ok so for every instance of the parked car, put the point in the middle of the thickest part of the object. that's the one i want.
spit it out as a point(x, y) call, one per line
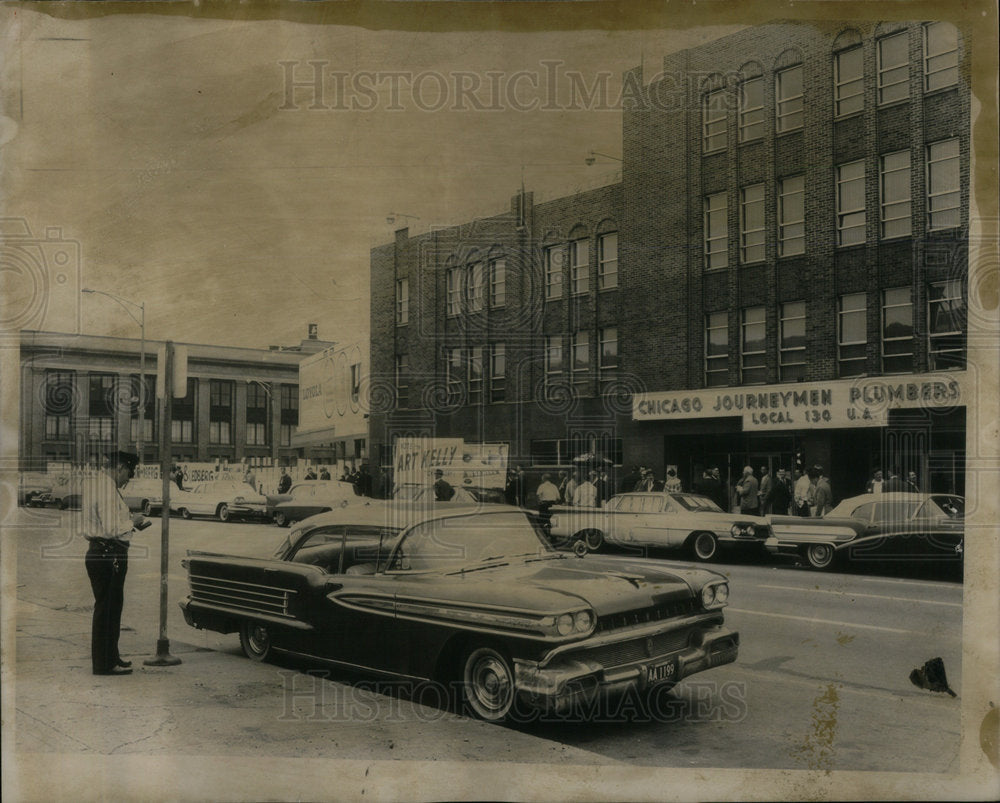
point(888, 526)
point(464, 495)
point(144, 496)
point(34, 489)
point(309, 498)
point(660, 520)
point(473, 595)
point(224, 499)
point(273, 500)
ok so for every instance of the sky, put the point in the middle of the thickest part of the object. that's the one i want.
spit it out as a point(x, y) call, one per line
point(171, 155)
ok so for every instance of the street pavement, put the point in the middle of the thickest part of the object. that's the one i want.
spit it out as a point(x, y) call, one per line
point(822, 681)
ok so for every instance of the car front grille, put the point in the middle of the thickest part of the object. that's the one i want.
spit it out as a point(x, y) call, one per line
point(251, 597)
point(626, 652)
point(641, 616)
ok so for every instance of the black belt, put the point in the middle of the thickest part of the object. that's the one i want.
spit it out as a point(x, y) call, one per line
point(108, 545)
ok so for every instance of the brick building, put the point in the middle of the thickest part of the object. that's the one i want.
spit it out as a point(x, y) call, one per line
point(80, 396)
point(779, 278)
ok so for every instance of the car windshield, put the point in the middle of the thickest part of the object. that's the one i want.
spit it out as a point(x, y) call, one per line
point(408, 492)
point(462, 542)
point(943, 506)
point(694, 502)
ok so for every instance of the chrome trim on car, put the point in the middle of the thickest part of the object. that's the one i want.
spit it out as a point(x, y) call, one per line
point(241, 595)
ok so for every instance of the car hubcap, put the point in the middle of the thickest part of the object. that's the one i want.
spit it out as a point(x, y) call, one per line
point(258, 639)
point(704, 546)
point(490, 685)
point(820, 554)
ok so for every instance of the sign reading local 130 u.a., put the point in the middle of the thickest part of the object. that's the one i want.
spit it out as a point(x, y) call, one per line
point(861, 402)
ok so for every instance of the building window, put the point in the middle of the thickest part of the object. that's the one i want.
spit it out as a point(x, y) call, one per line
point(60, 404)
point(454, 373)
point(553, 356)
point(607, 270)
point(894, 189)
point(474, 286)
point(498, 373)
point(852, 335)
point(791, 216)
point(752, 224)
point(102, 395)
point(716, 240)
point(579, 266)
point(144, 406)
point(101, 428)
point(751, 109)
point(940, 55)
point(581, 356)
point(220, 412)
point(714, 121)
point(716, 349)
point(476, 375)
point(402, 380)
point(943, 185)
point(897, 331)
point(945, 323)
point(454, 291)
point(753, 347)
point(788, 104)
point(792, 347)
point(893, 68)
point(608, 354)
point(498, 282)
point(258, 413)
point(356, 382)
point(554, 257)
point(182, 413)
point(851, 203)
point(289, 413)
point(848, 81)
point(402, 301)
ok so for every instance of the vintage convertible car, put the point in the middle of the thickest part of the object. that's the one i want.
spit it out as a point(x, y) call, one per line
point(336, 488)
point(664, 520)
point(222, 498)
point(473, 598)
point(875, 527)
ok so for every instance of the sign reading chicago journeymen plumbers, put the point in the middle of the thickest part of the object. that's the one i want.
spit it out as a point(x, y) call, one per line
point(862, 402)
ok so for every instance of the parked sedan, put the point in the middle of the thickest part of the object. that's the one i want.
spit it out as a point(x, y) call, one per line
point(221, 498)
point(310, 498)
point(344, 489)
point(34, 489)
point(660, 520)
point(144, 496)
point(474, 598)
point(888, 526)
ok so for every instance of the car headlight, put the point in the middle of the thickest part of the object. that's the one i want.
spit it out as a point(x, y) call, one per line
point(583, 621)
point(715, 595)
point(736, 530)
point(564, 624)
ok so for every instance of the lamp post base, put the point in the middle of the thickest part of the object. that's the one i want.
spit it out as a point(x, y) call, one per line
point(163, 656)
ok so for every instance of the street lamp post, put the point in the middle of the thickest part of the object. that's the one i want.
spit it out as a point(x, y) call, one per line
point(124, 303)
point(592, 157)
point(391, 217)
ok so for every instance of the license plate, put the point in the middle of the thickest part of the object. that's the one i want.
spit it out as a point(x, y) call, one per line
point(662, 672)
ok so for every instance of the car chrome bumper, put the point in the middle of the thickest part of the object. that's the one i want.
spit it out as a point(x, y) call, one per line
point(573, 680)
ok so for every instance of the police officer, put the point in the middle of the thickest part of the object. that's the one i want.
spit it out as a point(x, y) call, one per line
point(108, 526)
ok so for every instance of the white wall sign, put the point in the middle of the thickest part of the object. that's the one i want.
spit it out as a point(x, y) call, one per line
point(862, 402)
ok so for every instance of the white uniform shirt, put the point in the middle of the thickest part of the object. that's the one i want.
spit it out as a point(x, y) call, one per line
point(585, 495)
point(547, 492)
point(104, 513)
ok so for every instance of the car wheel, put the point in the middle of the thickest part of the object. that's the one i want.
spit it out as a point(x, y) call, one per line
point(185, 513)
point(279, 519)
point(147, 509)
point(704, 546)
point(594, 539)
point(255, 641)
point(223, 512)
point(488, 683)
point(820, 556)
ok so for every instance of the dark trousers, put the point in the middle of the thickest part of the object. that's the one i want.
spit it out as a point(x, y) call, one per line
point(106, 568)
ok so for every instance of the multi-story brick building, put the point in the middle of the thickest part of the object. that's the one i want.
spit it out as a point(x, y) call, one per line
point(81, 395)
point(780, 277)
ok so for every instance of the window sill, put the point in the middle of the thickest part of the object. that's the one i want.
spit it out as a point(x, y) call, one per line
point(754, 263)
point(897, 238)
point(796, 255)
point(798, 130)
point(927, 93)
point(752, 141)
point(892, 103)
point(713, 152)
point(849, 115)
point(852, 246)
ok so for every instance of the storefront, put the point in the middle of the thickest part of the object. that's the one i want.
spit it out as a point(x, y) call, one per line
point(849, 427)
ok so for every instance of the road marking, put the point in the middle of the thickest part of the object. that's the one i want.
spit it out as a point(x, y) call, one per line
point(921, 583)
point(871, 596)
point(813, 621)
